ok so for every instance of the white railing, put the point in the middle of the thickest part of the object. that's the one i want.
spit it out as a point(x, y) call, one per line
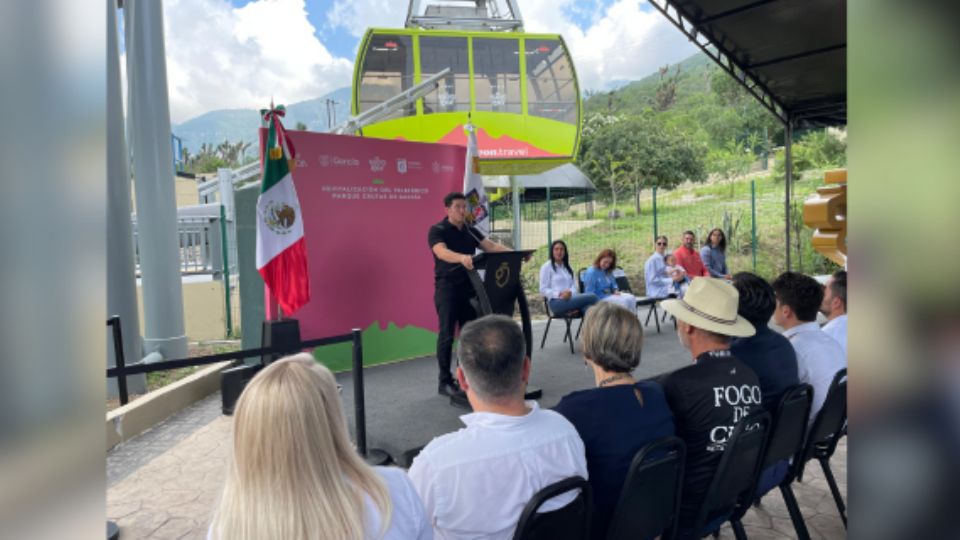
point(199, 245)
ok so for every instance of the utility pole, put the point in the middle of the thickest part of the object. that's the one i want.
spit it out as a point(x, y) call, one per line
point(331, 112)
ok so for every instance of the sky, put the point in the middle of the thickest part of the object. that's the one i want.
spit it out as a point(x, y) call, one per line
point(231, 54)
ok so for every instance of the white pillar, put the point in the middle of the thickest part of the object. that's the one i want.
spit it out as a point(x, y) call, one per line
point(515, 200)
point(153, 171)
point(121, 273)
point(225, 181)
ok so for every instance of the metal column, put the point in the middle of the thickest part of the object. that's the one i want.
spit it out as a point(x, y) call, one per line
point(153, 170)
point(121, 273)
point(549, 221)
point(788, 183)
point(515, 200)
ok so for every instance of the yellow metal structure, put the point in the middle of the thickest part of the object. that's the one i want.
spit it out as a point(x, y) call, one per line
point(826, 213)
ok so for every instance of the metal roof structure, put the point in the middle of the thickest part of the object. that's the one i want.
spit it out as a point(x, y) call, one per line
point(790, 54)
point(564, 181)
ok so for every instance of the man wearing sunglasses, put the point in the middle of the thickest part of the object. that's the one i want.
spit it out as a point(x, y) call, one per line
point(659, 283)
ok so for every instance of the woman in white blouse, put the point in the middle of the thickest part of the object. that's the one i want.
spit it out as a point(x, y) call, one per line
point(557, 284)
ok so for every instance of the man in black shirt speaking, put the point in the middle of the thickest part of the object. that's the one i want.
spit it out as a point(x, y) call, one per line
point(710, 396)
point(454, 242)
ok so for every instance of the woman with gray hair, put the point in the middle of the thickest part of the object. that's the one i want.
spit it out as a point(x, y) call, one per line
point(621, 415)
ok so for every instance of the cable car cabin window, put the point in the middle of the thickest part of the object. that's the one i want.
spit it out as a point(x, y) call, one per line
point(551, 87)
point(453, 91)
point(387, 71)
point(496, 74)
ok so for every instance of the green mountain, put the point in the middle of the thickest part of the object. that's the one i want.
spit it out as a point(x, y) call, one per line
point(236, 125)
point(693, 77)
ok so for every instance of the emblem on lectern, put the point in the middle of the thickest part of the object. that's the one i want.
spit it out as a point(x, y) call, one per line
point(502, 275)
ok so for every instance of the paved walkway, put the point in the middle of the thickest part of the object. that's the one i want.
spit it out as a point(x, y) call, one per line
point(164, 483)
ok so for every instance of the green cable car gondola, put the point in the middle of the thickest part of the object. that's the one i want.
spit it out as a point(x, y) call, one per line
point(519, 89)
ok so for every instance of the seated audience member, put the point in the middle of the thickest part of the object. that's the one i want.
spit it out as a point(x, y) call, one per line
point(557, 284)
point(600, 281)
point(710, 396)
point(618, 417)
point(768, 353)
point(658, 281)
point(475, 482)
point(688, 257)
point(819, 356)
point(678, 275)
point(834, 307)
point(714, 254)
point(295, 474)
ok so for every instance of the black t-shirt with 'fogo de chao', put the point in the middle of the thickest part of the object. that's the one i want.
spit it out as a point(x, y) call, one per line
point(464, 240)
point(707, 399)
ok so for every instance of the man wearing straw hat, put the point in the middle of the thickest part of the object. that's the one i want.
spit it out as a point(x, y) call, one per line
point(711, 395)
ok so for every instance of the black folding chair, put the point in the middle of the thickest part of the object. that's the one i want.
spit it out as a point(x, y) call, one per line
point(642, 301)
point(649, 503)
point(785, 442)
point(567, 318)
point(825, 433)
point(736, 478)
point(572, 522)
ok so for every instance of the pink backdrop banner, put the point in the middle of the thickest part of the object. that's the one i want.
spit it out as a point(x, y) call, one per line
point(367, 205)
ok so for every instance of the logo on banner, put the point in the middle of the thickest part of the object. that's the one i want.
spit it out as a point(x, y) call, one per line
point(279, 217)
point(402, 166)
point(377, 164)
point(441, 167)
point(324, 160)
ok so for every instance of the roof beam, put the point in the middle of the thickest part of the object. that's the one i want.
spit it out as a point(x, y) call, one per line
point(734, 11)
point(796, 56)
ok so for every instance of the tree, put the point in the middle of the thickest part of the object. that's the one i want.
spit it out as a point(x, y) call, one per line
point(301, 126)
point(731, 161)
point(641, 152)
point(666, 92)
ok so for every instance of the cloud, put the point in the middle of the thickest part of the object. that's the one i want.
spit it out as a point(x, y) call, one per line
point(357, 15)
point(624, 43)
point(222, 57)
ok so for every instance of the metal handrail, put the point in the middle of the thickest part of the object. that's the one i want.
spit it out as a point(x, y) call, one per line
point(121, 370)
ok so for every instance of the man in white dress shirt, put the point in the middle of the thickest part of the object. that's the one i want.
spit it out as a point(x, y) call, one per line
point(475, 482)
point(819, 356)
point(834, 308)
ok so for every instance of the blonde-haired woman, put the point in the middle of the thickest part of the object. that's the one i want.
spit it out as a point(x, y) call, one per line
point(296, 475)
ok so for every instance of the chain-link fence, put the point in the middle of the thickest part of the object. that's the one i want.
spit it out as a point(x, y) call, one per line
point(750, 211)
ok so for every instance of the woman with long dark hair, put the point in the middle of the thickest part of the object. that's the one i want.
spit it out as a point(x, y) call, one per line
point(557, 284)
point(714, 254)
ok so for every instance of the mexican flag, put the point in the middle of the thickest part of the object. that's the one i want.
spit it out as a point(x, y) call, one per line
point(281, 247)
